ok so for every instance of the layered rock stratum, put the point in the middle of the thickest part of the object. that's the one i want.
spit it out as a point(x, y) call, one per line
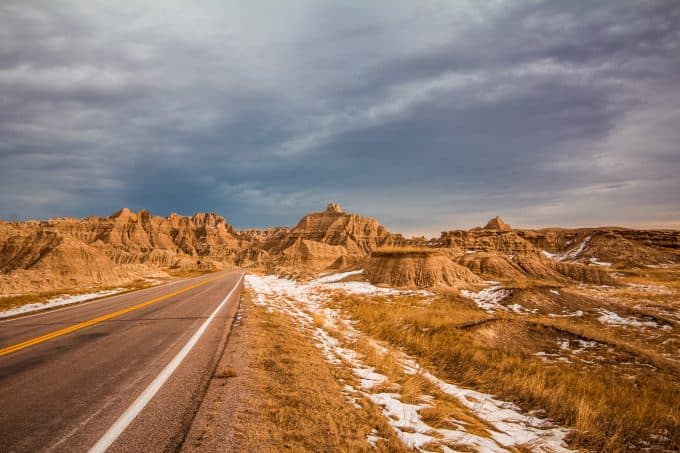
point(417, 267)
point(67, 253)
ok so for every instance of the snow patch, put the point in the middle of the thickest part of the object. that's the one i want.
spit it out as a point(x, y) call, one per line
point(609, 317)
point(571, 254)
point(489, 298)
point(331, 278)
point(576, 314)
point(574, 253)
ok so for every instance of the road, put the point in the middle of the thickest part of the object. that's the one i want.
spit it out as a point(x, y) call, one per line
point(125, 373)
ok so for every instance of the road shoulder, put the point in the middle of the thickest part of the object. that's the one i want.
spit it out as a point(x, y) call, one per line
point(273, 390)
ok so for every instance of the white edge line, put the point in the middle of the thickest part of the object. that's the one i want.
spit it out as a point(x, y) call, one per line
point(143, 399)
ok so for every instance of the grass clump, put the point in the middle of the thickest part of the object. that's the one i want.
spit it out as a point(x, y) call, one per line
point(14, 301)
point(609, 407)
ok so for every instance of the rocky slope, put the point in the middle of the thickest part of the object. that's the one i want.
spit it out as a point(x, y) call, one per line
point(322, 240)
point(39, 258)
point(66, 253)
point(618, 246)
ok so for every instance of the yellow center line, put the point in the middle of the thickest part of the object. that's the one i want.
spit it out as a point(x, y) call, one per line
point(91, 322)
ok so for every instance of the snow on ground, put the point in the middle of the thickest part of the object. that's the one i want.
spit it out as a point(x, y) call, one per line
point(57, 302)
point(582, 345)
point(508, 427)
point(574, 253)
point(576, 314)
point(331, 278)
point(273, 284)
point(572, 351)
point(595, 261)
point(489, 299)
point(571, 254)
point(609, 317)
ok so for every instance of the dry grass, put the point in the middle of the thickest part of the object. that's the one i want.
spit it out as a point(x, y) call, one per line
point(9, 302)
point(444, 408)
point(225, 373)
point(610, 411)
point(298, 403)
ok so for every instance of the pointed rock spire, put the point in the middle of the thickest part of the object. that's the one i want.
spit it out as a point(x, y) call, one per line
point(497, 224)
point(333, 207)
point(123, 214)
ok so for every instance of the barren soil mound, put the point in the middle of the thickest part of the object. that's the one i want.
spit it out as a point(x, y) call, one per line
point(582, 273)
point(423, 268)
point(492, 265)
point(526, 266)
point(69, 264)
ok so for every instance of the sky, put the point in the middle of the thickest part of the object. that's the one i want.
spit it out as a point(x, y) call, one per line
point(427, 115)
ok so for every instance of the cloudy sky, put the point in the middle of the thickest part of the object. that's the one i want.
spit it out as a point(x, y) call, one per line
point(427, 115)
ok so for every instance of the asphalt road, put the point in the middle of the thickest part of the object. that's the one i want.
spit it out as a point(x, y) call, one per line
point(125, 373)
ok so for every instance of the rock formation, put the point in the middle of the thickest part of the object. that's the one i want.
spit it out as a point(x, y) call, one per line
point(483, 240)
point(497, 224)
point(530, 266)
point(619, 246)
point(416, 267)
point(323, 240)
point(492, 265)
point(101, 251)
point(357, 234)
point(44, 260)
point(333, 207)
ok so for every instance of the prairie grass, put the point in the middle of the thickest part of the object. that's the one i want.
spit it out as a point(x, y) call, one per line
point(441, 410)
point(14, 301)
point(609, 411)
point(225, 373)
point(297, 401)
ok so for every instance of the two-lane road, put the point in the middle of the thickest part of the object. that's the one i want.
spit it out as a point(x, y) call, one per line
point(127, 372)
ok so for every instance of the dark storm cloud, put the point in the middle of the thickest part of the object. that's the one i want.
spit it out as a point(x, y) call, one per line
point(427, 115)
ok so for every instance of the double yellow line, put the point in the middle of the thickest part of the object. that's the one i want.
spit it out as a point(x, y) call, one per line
point(91, 322)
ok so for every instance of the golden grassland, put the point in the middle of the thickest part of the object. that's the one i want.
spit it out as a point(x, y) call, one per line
point(14, 301)
point(442, 410)
point(297, 402)
point(613, 407)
